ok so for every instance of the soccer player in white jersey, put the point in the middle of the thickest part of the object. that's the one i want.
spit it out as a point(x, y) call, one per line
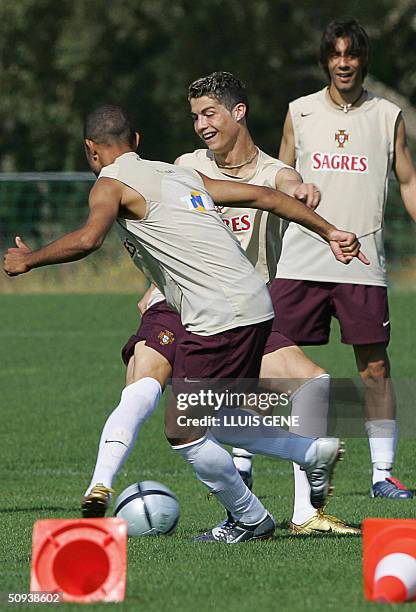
point(167, 221)
point(219, 108)
point(347, 140)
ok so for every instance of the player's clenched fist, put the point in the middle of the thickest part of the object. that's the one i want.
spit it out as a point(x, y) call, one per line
point(15, 259)
point(345, 246)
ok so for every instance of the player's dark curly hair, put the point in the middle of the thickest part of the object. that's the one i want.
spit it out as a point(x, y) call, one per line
point(223, 86)
point(346, 28)
point(109, 125)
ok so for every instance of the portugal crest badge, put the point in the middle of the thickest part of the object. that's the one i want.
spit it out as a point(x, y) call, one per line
point(166, 337)
point(341, 138)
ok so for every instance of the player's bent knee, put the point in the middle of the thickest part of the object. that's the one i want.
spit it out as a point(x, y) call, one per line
point(372, 358)
point(290, 364)
point(375, 370)
point(177, 436)
point(177, 430)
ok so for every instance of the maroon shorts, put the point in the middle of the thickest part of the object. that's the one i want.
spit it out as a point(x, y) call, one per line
point(226, 362)
point(304, 310)
point(161, 329)
point(235, 353)
point(276, 340)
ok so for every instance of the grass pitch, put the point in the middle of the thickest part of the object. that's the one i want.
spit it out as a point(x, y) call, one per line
point(61, 376)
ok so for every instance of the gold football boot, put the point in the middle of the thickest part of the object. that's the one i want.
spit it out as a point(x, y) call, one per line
point(321, 523)
point(95, 504)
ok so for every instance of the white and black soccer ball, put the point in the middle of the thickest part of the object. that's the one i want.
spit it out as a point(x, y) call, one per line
point(149, 508)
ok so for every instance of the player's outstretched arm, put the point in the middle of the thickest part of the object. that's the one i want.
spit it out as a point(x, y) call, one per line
point(251, 196)
point(104, 203)
point(404, 169)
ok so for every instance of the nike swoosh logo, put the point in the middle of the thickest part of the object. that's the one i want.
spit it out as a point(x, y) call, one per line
point(386, 323)
point(305, 114)
point(191, 380)
point(313, 530)
point(116, 441)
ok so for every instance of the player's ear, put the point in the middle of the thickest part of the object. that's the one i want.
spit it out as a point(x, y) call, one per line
point(90, 148)
point(239, 111)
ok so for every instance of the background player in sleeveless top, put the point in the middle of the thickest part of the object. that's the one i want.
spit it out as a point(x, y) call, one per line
point(219, 108)
point(346, 140)
point(162, 212)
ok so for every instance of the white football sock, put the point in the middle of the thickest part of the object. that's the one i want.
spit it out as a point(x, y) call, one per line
point(214, 467)
point(138, 402)
point(262, 439)
point(381, 471)
point(310, 403)
point(302, 507)
point(382, 438)
point(242, 460)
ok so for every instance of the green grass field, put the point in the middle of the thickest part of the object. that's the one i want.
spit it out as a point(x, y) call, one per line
point(60, 377)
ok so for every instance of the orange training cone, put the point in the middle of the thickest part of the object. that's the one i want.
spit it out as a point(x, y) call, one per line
point(389, 560)
point(85, 559)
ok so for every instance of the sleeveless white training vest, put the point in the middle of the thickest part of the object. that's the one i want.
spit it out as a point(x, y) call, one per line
point(349, 156)
point(183, 246)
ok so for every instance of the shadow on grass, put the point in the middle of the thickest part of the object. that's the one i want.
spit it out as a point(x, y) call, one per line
point(39, 509)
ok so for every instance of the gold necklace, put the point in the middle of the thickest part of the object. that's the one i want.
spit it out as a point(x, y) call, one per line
point(346, 107)
point(233, 167)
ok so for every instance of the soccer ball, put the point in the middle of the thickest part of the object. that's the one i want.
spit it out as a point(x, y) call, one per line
point(149, 508)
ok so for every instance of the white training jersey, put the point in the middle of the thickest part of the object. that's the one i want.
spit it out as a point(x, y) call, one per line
point(184, 248)
point(349, 156)
point(258, 232)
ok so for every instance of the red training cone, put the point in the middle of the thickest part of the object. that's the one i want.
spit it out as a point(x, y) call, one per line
point(85, 559)
point(389, 560)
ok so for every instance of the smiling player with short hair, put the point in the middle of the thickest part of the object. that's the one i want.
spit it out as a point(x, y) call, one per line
point(219, 106)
